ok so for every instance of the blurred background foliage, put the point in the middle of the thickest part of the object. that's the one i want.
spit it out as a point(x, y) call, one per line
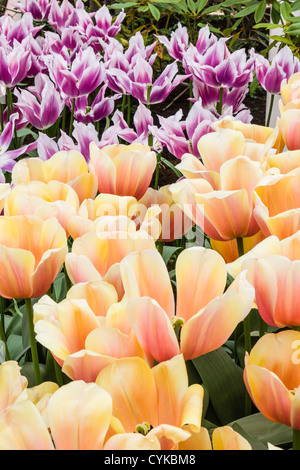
point(248, 23)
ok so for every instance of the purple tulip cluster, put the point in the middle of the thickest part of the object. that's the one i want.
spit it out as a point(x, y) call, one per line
point(61, 66)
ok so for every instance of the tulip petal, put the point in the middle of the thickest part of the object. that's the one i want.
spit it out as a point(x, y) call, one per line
point(201, 276)
point(79, 416)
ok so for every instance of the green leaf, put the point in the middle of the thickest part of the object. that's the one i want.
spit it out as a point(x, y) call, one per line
point(229, 3)
point(143, 9)
point(285, 9)
point(124, 5)
point(263, 430)
point(223, 380)
point(191, 5)
point(26, 131)
point(282, 39)
point(169, 251)
point(154, 11)
point(275, 14)
point(200, 5)
point(296, 6)
point(294, 29)
point(259, 14)
point(210, 9)
point(170, 165)
point(245, 11)
point(267, 26)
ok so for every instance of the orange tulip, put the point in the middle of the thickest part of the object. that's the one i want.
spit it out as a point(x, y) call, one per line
point(161, 404)
point(32, 252)
point(68, 167)
point(272, 377)
point(125, 170)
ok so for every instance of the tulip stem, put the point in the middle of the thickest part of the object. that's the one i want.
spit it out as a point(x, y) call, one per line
point(2, 330)
point(128, 109)
point(270, 110)
point(33, 344)
point(72, 117)
point(2, 117)
point(296, 439)
point(157, 172)
point(220, 102)
point(240, 246)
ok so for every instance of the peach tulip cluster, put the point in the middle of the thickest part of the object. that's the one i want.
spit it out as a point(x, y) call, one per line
point(111, 413)
point(125, 330)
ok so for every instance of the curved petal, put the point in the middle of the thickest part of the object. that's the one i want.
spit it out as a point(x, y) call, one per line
point(23, 428)
point(201, 276)
point(144, 274)
point(79, 416)
point(153, 328)
point(225, 438)
point(131, 385)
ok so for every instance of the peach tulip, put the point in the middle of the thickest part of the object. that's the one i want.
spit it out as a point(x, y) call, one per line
point(290, 126)
point(290, 89)
point(68, 167)
point(90, 210)
point(215, 148)
point(125, 170)
point(225, 438)
point(13, 386)
point(269, 136)
point(277, 203)
point(284, 161)
point(173, 222)
point(79, 417)
point(96, 252)
point(53, 199)
point(226, 213)
point(272, 245)
point(4, 192)
point(160, 404)
point(32, 252)
point(272, 377)
point(201, 304)
point(79, 335)
point(275, 279)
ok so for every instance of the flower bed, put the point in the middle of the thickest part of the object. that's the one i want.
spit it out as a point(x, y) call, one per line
point(149, 246)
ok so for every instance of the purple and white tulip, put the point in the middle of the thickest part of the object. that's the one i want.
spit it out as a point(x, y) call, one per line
point(41, 104)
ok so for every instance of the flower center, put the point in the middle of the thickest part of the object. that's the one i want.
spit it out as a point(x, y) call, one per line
point(143, 428)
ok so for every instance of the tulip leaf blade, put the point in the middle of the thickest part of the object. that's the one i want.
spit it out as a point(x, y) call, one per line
point(263, 430)
point(223, 380)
